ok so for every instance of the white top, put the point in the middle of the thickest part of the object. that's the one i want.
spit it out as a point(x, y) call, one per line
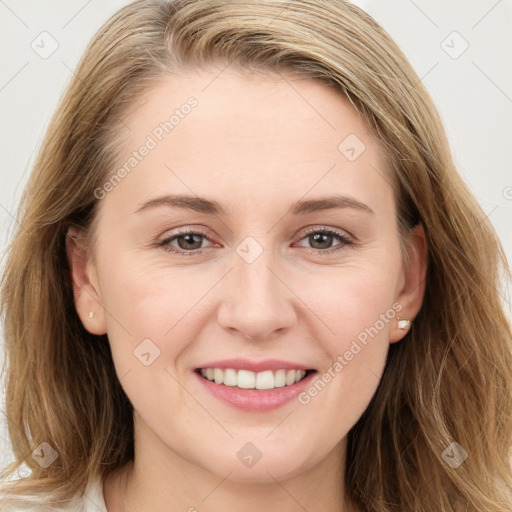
point(91, 501)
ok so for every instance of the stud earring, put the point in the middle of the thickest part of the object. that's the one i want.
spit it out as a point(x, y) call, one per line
point(91, 314)
point(403, 324)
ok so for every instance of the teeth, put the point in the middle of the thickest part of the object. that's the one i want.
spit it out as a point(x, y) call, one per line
point(230, 378)
point(280, 378)
point(265, 380)
point(246, 379)
point(290, 378)
point(218, 376)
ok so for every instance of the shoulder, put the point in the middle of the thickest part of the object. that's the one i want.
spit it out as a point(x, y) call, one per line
point(91, 501)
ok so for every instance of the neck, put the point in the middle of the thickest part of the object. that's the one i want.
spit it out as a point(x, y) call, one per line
point(173, 484)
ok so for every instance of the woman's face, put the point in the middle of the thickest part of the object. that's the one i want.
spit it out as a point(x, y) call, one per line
point(293, 263)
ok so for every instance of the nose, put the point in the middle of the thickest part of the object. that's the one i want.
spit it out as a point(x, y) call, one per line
point(256, 300)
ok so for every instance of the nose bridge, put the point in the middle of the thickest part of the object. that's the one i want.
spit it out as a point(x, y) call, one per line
point(252, 263)
point(256, 302)
point(258, 283)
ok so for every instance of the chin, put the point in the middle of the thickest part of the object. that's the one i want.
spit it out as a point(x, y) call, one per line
point(266, 470)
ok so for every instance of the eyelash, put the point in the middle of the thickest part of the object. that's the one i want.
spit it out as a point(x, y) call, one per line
point(343, 239)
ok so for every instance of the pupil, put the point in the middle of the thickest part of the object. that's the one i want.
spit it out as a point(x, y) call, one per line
point(318, 238)
point(324, 240)
point(189, 240)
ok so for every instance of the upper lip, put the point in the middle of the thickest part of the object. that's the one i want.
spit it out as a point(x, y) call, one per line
point(255, 366)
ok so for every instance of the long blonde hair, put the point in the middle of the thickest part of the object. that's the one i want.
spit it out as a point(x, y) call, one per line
point(448, 381)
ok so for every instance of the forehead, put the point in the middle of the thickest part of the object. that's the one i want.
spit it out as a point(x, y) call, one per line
point(249, 130)
point(258, 102)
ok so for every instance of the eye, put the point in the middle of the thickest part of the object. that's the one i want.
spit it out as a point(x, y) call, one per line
point(187, 242)
point(321, 240)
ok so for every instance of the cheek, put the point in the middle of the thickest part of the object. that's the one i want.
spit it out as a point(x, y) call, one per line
point(167, 304)
point(161, 304)
point(352, 298)
point(357, 308)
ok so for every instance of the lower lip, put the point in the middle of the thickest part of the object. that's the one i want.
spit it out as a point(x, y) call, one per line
point(254, 400)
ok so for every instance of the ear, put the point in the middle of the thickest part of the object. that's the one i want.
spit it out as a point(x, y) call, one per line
point(85, 283)
point(412, 286)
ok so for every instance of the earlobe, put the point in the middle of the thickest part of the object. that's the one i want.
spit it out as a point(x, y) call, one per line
point(88, 302)
point(412, 291)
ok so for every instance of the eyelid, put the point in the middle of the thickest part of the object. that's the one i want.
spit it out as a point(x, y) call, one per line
point(346, 239)
point(319, 227)
point(171, 235)
point(184, 230)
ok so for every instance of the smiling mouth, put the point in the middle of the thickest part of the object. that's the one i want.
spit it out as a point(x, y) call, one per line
point(246, 379)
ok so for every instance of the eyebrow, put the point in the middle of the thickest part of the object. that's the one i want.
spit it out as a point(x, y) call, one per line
point(211, 207)
point(198, 204)
point(328, 203)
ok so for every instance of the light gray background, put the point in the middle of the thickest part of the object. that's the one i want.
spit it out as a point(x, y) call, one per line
point(473, 91)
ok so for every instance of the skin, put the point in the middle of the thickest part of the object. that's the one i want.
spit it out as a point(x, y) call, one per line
point(255, 144)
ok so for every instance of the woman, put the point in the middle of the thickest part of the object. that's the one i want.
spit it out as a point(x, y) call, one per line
point(249, 276)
